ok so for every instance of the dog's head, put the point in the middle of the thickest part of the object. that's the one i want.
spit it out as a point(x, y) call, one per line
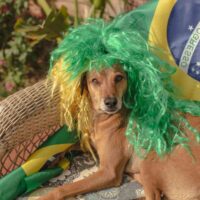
point(106, 89)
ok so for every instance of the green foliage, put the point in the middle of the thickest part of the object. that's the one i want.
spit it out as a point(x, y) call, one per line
point(53, 27)
point(13, 49)
point(26, 42)
point(26, 39)
point(44, 6)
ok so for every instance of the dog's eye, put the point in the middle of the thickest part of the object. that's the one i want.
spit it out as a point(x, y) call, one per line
point(118, 78)
point(95, 81)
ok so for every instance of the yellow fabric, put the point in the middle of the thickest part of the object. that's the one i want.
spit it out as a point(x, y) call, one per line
point(38, 159)
point(64, 164)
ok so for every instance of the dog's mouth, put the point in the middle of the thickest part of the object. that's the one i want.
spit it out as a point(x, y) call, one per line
point(111, 110)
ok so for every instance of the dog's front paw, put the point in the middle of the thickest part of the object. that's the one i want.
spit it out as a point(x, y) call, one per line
point(56, 194)
point(49, 197)
point(44, 198)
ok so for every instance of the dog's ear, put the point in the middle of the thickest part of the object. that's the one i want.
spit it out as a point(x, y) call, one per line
point(83, 83)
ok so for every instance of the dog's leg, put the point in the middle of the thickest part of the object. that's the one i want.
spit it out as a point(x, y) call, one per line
point(99, 180)
point(112, 164)
point(109, 175)
point(152, 194)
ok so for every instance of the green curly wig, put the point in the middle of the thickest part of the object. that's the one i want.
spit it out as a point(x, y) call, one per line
point(155, 105)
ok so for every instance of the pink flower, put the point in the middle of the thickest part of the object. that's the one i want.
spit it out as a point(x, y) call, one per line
point(35, 10)
point(4, 8)
point(2, 62)
point(9, 86)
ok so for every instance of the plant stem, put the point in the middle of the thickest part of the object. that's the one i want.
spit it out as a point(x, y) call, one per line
point(76, 21)
point(45, 6)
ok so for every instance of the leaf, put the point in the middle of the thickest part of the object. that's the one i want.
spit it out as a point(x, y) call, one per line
point(34, 36)
point(22, 57)
point(18, 23)
point(52, 28)
point(27, 28)
point(98, 4)
point(45, 6)
point(56, 23)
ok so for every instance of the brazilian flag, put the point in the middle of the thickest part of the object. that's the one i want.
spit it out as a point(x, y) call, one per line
point(174, 27)
point(170, 25)
point(31, 174)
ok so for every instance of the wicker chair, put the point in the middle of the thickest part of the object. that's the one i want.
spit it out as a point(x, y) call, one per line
point(27, 118)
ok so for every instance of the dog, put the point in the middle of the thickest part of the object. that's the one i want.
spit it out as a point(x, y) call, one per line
point(176, 175)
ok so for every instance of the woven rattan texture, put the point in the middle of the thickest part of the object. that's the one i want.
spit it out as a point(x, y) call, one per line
point(25, 114)
point(17, 156)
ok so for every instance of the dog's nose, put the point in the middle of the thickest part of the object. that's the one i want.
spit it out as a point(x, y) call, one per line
point(110, 102)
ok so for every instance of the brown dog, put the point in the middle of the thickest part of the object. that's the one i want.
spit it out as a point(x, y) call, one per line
point(177, 175)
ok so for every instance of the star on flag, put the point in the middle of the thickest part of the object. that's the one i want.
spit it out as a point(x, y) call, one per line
point(190, 28)
point(196, 69)
point(198, 64)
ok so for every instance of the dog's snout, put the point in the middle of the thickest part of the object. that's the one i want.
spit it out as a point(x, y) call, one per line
point(110, 102)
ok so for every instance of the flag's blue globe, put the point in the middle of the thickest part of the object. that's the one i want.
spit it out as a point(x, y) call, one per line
point(183, 35)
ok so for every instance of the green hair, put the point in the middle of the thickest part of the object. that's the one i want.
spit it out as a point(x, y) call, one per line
point(151, 97)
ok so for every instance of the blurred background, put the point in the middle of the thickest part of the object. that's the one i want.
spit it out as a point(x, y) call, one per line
point(31, 29)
